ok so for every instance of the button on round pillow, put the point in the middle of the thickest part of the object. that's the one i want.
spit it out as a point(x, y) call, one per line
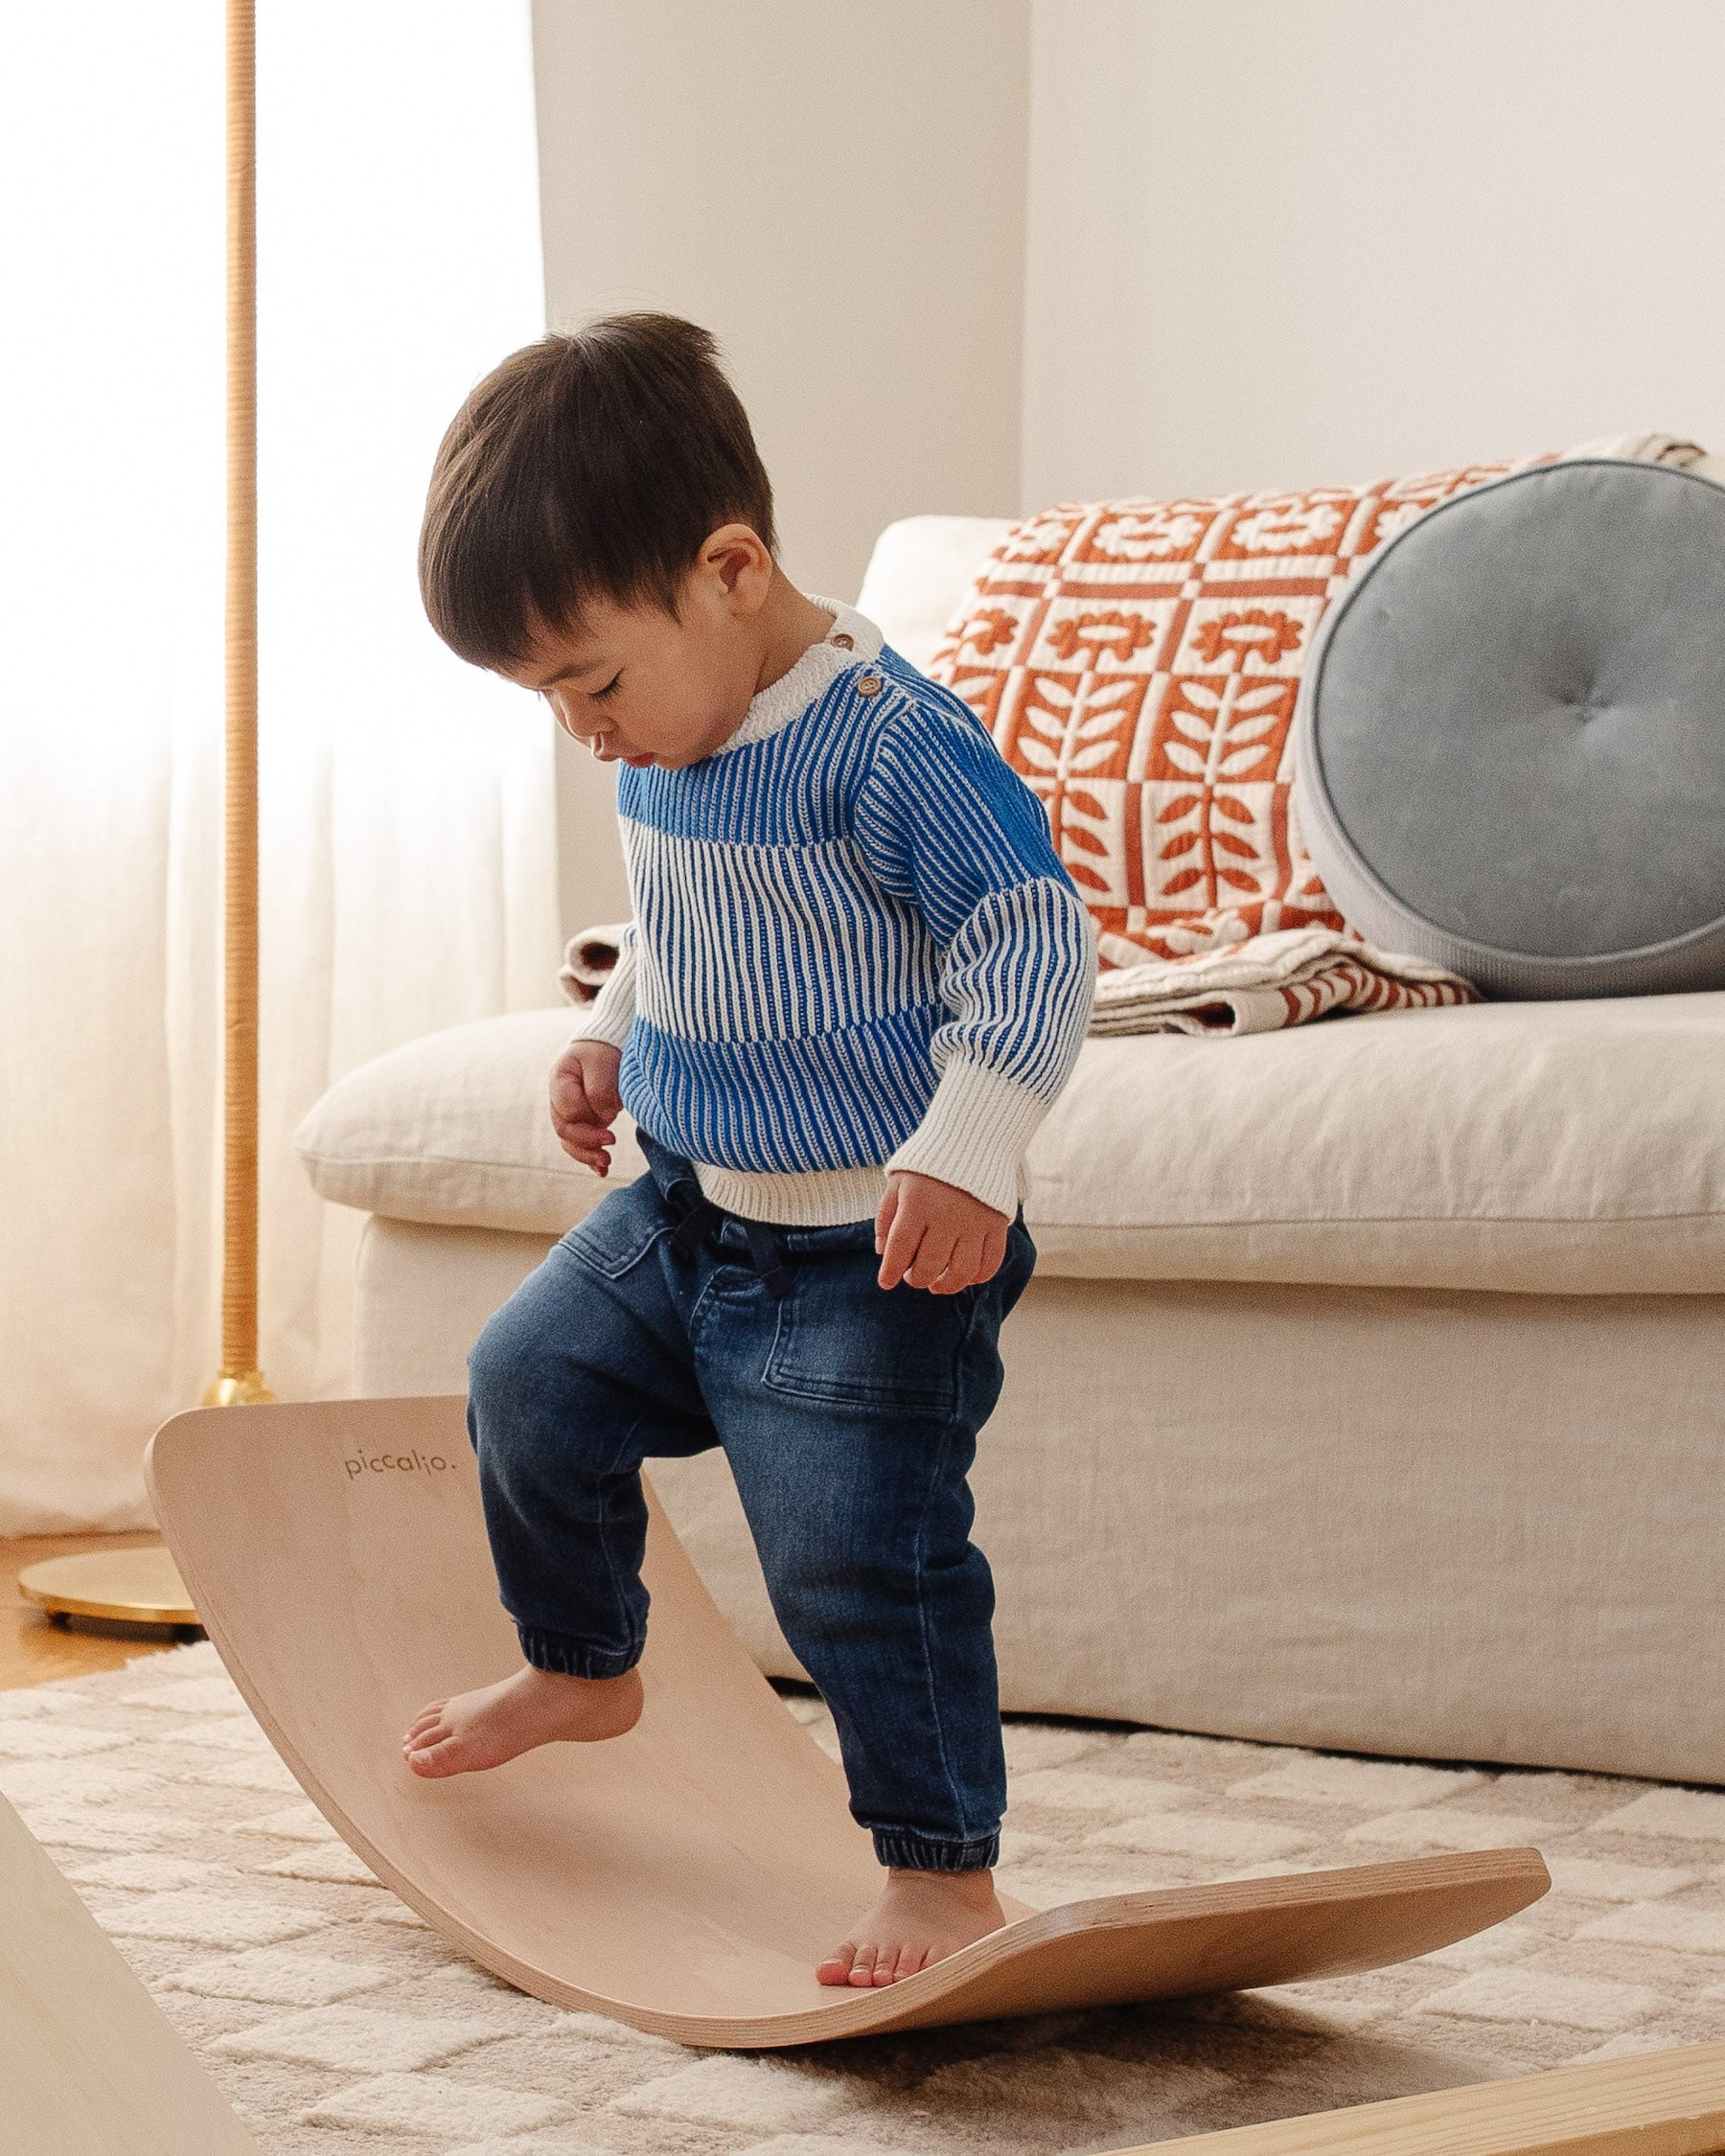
point(1511, 739)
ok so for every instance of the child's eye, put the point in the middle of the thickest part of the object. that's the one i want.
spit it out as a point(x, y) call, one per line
point(599, 695)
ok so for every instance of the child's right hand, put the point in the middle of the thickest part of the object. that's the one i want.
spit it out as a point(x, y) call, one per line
point(584, 1099)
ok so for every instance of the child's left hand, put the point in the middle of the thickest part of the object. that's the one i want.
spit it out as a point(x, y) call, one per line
point(936, 1236)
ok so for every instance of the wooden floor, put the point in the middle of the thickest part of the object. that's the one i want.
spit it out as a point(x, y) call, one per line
point(35, 1652)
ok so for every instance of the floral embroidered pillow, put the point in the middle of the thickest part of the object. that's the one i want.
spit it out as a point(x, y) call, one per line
point(1137, 662)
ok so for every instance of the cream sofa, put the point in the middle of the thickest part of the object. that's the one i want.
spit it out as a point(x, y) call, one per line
point(1368, 1394)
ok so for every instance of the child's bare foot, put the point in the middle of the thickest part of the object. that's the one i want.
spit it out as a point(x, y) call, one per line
point(455, 1736)
point(918, 1918)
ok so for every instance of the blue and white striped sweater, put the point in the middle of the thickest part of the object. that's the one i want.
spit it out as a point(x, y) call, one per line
point(854, 946)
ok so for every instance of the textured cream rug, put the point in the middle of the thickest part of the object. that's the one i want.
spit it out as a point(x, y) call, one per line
point(338, 2023)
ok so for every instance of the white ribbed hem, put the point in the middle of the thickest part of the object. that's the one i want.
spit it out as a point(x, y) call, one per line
point(814, 1198)
point(974, 1135)
point(818, 668)
point(610, 1014)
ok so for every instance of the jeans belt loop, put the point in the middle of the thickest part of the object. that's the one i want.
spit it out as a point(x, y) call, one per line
point(697, 1216)
point(769, 1255)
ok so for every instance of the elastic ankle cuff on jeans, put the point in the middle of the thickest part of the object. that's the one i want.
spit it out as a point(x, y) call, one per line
point(563, 1656)
point(904, 1851)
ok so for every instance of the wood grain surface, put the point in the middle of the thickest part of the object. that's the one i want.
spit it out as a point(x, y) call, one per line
point(88, 2065)
point(1662, 2103)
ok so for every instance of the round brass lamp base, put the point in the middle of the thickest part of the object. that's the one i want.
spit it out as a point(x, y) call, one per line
point(124, 1585)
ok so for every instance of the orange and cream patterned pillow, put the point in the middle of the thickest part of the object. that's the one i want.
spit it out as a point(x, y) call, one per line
point(1137, 662)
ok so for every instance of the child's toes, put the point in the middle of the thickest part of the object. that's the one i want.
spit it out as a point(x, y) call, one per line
point(863, 1966)
point(439, 1758)
point(837, 1967)
point(910, 1958)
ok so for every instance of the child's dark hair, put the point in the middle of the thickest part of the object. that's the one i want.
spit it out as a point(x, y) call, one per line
point(587, 465)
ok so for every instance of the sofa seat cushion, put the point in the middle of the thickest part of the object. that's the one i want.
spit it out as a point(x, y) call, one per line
point(1547, 1148)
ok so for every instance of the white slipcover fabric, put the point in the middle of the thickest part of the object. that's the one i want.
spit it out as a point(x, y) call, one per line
point(1538, 1148)
point(1438, 1526)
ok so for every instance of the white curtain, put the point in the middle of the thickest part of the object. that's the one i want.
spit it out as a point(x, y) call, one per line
point(408, 847)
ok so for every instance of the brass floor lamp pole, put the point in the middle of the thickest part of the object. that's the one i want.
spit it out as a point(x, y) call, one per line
point(141, 1586)
point(239, 1381)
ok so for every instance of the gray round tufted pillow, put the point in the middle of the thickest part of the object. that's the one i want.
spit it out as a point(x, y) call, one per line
point(1510, 738)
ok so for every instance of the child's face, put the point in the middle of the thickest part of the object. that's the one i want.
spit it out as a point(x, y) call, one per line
point(641, 687)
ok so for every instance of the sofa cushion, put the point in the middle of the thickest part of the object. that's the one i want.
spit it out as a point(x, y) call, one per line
point(1541, 1147)
point(1511, 739)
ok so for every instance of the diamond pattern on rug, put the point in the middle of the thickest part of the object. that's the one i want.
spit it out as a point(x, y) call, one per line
point(1684, 1931)
point(293, 1822)
point(1687, 1815)
point(144, 1872)
point(336, 1864)
point(227, 1732)
point(1592, 1879)
point(1424, 1832)
point(434, 2105)
point(1390, 1782)
point(1219, 1839)
point(602, 2030)
point(544, 2144)
point(205, 1920)
point(211, 1694)
point(92, 1827)
point(275, 1975)
point(33, 1706)
point(362, 2038)
point(757, 2092)
point(264, 1773)
point(339, 2022)
point(802, 2145)
point(53, 1740)
point(1537, 1995)
point(1122, 1795)
point(26, 1782)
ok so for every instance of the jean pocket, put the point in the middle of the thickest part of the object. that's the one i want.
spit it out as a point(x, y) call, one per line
point(845, 1340)
point(620, 1230)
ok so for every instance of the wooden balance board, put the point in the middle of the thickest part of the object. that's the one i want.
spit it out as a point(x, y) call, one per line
point(685, 1878)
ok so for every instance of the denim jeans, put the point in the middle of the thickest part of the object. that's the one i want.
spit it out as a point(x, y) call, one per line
point(661, 1326)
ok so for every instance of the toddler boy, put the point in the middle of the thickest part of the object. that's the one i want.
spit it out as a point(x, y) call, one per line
point(856, 979)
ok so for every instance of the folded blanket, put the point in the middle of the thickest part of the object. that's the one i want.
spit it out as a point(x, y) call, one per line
point(1254, 986)
point(590, 956)
point(1264, 983)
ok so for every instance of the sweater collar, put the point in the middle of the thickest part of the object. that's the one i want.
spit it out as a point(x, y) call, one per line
point(853, 640)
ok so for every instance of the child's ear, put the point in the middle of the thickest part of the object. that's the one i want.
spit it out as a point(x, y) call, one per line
point(737, 560)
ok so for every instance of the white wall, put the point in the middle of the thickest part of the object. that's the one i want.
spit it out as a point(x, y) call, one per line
point(1293, 242)
point(836, 189)
point(1260, 242)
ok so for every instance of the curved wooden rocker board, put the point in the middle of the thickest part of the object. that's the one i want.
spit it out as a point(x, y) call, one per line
point(688, 1877)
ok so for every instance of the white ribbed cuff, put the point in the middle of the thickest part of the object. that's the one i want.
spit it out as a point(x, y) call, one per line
point(974, 1135)
point(610, 1014)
